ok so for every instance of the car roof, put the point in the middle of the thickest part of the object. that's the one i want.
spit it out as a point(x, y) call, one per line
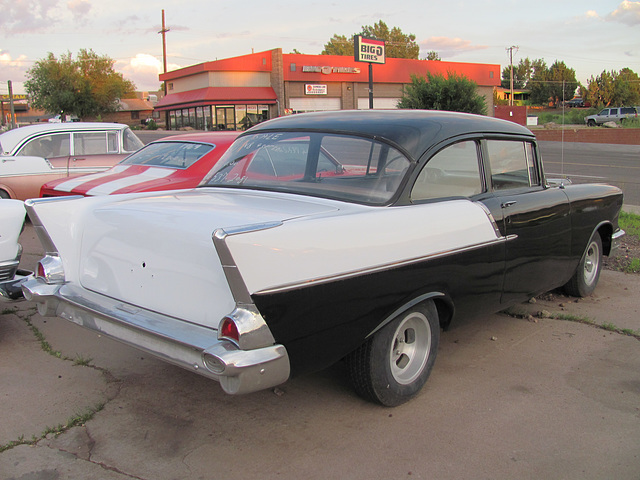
point(12, 138)
point(414, 130)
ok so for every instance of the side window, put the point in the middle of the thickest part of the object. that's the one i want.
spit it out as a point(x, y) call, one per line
point(89, 143)
point(130, 141)
point(614, 111)
point(54, 145)
point(112, 142)
point(512, 164)
point(453, 171)
point(534, 177)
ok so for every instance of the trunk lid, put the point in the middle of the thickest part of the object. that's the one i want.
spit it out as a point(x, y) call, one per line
point(156, 251)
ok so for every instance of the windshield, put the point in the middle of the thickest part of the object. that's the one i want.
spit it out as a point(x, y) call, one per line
point(334, 166)
point(178, 155)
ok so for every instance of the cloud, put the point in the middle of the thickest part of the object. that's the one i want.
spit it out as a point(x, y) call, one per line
point(26, 16)
point(449, 47)
point(627, 13)
point(79, 9)
point(143, 70)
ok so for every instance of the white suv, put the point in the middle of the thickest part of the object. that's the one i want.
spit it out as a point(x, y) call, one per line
point(611, 115)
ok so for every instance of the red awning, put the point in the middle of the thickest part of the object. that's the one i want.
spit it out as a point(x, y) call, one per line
point(217, 96)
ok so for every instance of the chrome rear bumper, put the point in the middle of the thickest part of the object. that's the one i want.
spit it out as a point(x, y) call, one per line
point(616, 239)
point(11, 290)
point(188, 345)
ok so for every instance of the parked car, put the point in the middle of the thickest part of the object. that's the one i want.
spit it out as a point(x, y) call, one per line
point(35, 154)
point(180, 161)
point(352, 235)
point(575, 102)
point(11, 225)
point(611, 115)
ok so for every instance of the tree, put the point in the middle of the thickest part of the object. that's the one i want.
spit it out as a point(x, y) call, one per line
point(86, 87)
point(433, 55)
point(614, 89)
point(552, 85)
point(397, 44)
point(454, 93)
point(522, 73)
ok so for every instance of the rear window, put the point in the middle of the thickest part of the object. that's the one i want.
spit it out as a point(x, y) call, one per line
point(179, 155)
point(342, 167)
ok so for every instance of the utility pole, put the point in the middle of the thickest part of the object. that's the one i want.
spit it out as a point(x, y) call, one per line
point(11, 107)
point(164, 50)
point(511, 75)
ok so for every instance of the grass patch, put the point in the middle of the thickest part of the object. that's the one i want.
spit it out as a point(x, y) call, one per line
point(572, 116)
point(76, 420)
point(630, 223)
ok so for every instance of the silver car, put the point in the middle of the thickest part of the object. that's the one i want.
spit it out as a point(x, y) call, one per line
point(611, 115)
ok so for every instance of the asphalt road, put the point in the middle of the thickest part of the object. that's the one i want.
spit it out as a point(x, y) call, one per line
point(593, 162)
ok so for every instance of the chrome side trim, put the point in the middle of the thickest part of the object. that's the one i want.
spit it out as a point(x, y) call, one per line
point(238, 288)
point(253, 330)
point(494, 224)
point(38, 227)
point(380, 268)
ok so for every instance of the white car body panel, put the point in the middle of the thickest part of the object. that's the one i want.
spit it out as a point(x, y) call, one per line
point(10, 166)
point(299, 252)
point(137, 263)
point(11, 221)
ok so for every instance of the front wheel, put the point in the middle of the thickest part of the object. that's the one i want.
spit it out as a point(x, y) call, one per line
point(586, 276)
point(591, 123)
point(394, 364)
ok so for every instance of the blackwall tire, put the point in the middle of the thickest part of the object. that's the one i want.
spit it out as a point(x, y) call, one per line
point(395, 363)
point(585, 279)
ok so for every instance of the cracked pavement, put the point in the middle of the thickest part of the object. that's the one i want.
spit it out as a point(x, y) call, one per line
point(524, 398)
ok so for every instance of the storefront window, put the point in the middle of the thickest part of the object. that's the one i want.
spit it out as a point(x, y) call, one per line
point(241, 117)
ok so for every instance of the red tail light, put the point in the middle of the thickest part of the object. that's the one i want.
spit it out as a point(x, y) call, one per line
point(50, 269)
point(229, 330)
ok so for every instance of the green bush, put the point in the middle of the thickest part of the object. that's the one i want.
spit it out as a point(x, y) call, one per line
point(572, 116)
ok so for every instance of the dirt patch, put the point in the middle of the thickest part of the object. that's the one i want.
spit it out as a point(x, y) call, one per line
point(624, 260)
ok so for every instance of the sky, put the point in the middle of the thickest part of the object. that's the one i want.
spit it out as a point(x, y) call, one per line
point(590, 36)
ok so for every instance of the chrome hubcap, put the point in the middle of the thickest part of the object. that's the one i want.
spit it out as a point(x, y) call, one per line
point(410, 348)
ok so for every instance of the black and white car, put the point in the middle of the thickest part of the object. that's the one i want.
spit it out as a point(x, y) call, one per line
point(353, 235)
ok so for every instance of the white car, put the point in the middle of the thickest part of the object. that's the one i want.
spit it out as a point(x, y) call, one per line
point(11, 224)
point(32, 155)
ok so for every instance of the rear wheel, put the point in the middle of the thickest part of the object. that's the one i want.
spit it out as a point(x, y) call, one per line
point(394, 364)
point(585, 278)
point(4, 195)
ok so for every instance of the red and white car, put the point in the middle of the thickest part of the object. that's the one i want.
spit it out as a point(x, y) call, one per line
point(172, 163)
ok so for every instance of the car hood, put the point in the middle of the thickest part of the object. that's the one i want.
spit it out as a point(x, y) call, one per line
point(119, 179)
point(156, 251)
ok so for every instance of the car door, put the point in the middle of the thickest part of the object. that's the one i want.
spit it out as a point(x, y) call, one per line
point(94, 151)
point(532, 217)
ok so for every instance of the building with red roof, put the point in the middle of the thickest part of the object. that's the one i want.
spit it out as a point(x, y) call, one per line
point(235, 93)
